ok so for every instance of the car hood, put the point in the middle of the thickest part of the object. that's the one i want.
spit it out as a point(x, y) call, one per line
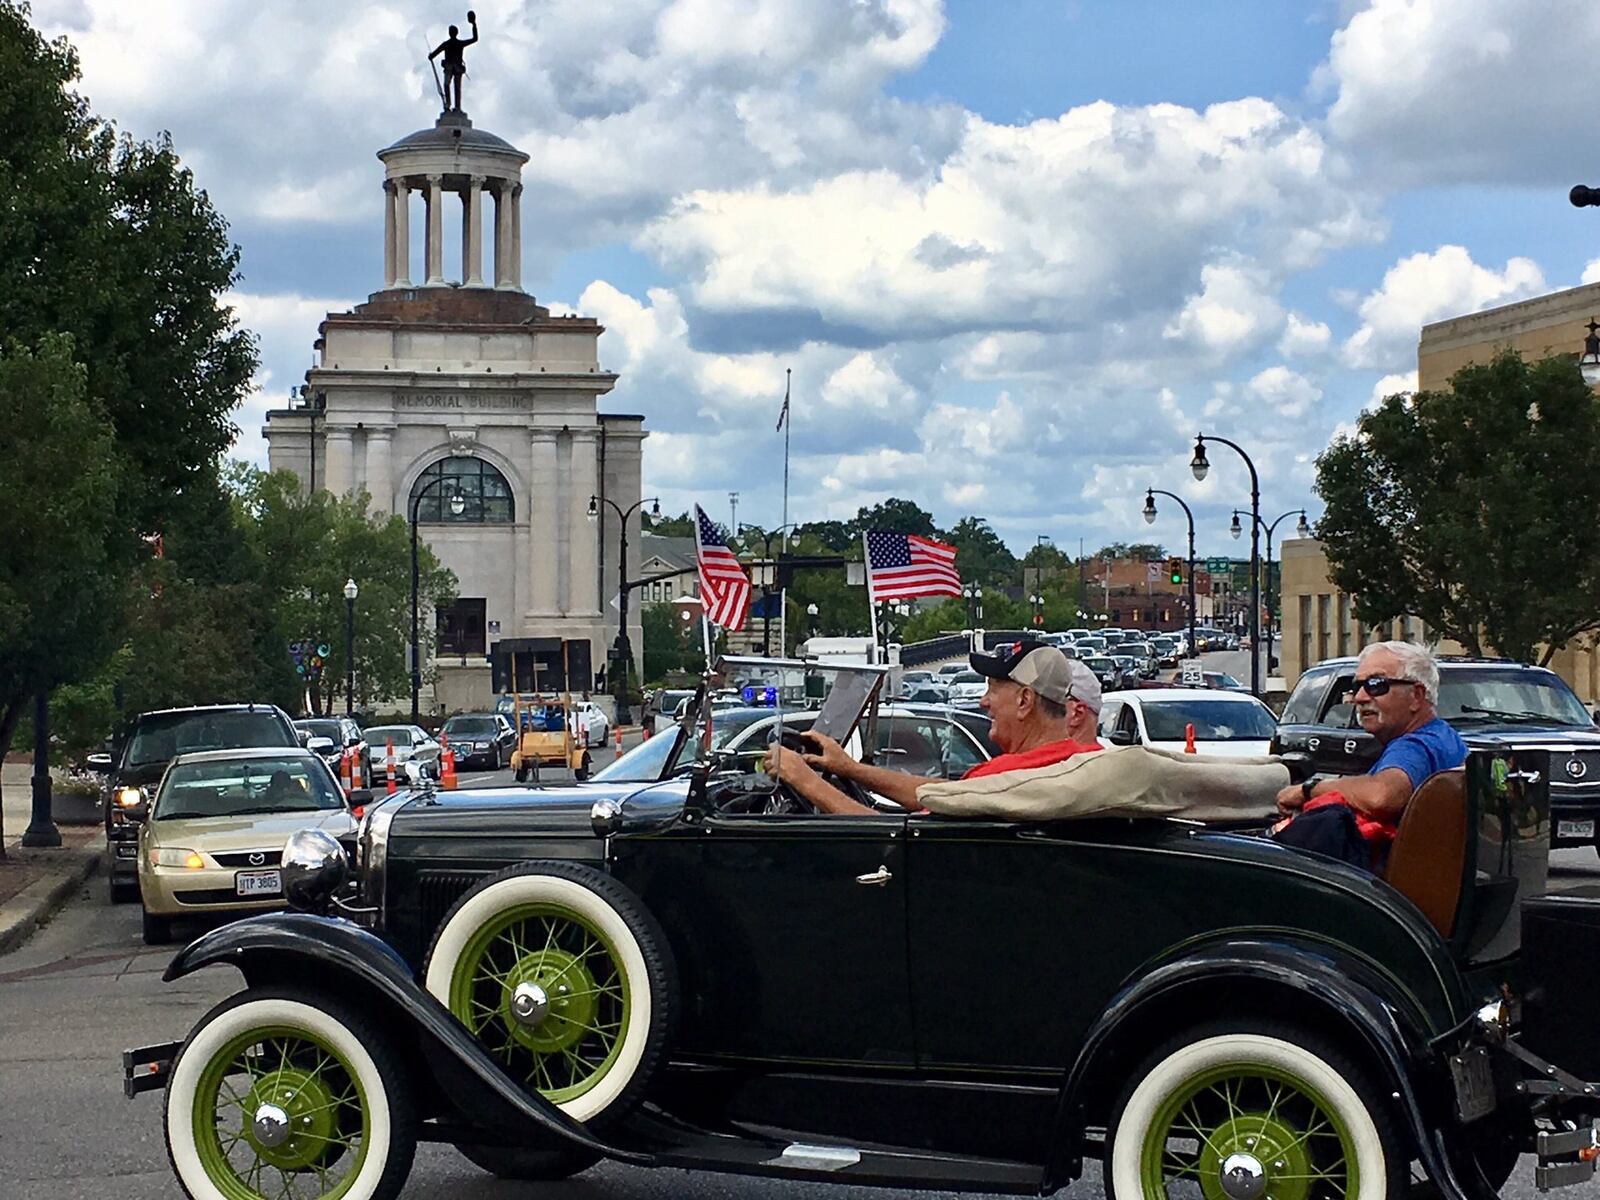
point(560, 809)
point(1585, 735)
point(1248, 748)
point(248, 831)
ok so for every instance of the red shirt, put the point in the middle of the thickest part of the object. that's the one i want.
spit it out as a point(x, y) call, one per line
point(1039, 756)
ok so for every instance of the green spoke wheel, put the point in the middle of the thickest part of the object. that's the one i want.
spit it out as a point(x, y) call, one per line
point(1251, 1116)
point(561, 975)
point(278, 1095)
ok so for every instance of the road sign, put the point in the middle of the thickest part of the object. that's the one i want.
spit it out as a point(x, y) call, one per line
point(1219, 566)
point(1193, 673)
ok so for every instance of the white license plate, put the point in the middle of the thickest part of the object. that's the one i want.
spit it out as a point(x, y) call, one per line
point(258, 883)
point(1574, 829)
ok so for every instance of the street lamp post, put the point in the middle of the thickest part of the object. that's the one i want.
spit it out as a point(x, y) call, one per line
point(1038, 609)
point(811, 617)
point(766, 582)
point(973, 594)
point(458, 505)
point(1301, 530)
point(1200, 466)
point(350, 592)
point(1150, 519)
point(624, 655)
point(1589, 362)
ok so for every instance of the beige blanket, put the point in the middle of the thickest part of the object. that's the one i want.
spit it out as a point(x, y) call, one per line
point(1123, 781)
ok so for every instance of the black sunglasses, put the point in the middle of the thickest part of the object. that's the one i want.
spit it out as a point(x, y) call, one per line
point(1377, 685)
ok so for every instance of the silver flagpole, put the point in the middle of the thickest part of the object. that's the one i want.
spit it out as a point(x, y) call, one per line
point(783, 593)
point(872, 602)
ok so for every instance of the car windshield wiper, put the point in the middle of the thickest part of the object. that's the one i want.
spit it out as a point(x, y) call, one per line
point(1509, 715)
point(167, 816)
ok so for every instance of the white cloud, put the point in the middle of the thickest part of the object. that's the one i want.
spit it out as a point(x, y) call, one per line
point(1424, 288)
point(1233, 312)
point(284, 327)
point(1442, 91)
point(1591, 271)
point(1390, 385)
point(1287, 394)
point(1302, 336)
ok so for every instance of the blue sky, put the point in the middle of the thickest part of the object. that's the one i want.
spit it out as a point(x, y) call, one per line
point(1016, 253)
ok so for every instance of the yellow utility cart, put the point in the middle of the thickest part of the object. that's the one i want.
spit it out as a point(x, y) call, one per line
point(544, 737)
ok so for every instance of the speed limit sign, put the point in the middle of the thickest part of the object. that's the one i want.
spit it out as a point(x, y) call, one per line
point(1193, 674)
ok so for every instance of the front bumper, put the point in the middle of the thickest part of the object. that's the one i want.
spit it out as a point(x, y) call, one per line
point(1574, 814)
point(180, 891)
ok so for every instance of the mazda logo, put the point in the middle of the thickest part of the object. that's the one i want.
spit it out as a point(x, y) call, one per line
point(257, 858)
point(1576, 768)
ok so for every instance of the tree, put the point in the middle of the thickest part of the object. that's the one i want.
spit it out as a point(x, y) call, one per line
point(681, 525)
point(895, 516)
point(58, 488)
point(981, 556)
point(1473, 508)
point(1137, 551)
point(665, 646)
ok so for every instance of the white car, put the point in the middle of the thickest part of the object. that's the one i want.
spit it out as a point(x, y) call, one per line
point(967, 688)
point(411, 743)
point(1226, 724)
point(590, 725)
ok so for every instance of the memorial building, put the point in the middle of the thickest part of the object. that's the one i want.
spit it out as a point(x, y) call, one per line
point(453, 397)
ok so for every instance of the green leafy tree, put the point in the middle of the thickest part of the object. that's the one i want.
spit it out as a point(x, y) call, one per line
point(895, 516)
point(841, 608)
point(1138, 551)
point(981, 556)
point(681, 525)
point(1472, 508)
point(831, 535)
point(666, 646)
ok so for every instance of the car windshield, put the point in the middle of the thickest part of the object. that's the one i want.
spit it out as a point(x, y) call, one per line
point(398, 734)
point(160, 737)
point(643, 763)
point(967, 677)
point(472, 726)
point(1498, 693)
point(1098, 663)
point(1213, 720)
point(323, 729)
point(668, 701)
point(239, 786)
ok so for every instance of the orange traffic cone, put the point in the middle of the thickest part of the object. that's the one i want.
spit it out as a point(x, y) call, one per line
point(447, 766)
point(1188, 739)
point(344, 772)
point(388, 763)
point(357, 779)
point(619, 741)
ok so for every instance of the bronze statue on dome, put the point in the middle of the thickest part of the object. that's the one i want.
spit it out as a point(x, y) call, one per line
point(455, 62)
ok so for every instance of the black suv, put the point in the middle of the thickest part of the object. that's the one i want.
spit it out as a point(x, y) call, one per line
point(1476, 696)
point(152, 740)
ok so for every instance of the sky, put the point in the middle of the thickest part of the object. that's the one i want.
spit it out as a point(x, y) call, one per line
point(1016, 254)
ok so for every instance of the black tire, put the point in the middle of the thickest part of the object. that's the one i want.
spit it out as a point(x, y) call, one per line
point(632, 956)
point(522, 774)
point(1341, 1090)
point(157, 930)
point(356, 1043)
point(584, 768)
point(506, 1162)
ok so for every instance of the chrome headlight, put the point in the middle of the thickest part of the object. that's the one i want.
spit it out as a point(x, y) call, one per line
point(480, 745)
point(314, 867)
point(177, 856)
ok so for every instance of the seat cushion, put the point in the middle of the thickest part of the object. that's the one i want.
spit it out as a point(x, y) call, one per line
point(1428, 858)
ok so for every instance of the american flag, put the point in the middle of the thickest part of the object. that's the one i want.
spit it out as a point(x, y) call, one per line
point(724, 587)
point(901, 566)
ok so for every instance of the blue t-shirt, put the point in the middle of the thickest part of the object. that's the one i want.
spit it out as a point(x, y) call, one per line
point(1425, 750)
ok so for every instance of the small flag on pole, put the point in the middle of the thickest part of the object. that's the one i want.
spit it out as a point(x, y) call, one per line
point(724, 587)
point(901, 566)
point(783, 413)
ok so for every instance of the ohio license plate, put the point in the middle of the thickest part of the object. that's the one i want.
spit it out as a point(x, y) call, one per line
point(258, 883)
point(1575, 829)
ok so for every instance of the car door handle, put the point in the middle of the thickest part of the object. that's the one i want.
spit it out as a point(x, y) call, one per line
point(875, 878)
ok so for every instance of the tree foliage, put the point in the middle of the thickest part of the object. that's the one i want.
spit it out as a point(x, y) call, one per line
point(1473, 508)
point(981, 556)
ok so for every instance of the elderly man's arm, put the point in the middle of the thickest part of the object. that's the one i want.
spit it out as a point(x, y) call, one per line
point(790, 767)
point(891, 785)
point(1383, 795)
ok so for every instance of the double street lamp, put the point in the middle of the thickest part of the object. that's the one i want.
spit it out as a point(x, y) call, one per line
point(1301, 530)
point(973, 594)
point(624, 650)
point(458, 505)
point(1038, 608)
point(1150, 495)
point(350, 593)
point(1201, 466)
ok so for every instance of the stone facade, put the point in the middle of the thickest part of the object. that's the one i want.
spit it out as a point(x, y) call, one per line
point(470, 390)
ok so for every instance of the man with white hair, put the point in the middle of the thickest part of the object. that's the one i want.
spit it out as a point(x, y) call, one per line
point(1395, 692)
point(1043, 708)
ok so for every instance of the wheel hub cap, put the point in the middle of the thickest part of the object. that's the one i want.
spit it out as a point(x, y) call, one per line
point(1243, 1177)
point(271, 1126)
point(529, 1004)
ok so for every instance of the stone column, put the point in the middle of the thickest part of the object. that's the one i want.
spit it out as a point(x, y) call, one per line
point(339, 475)
point(435, 238)
point(388, 234)
point(543, 512)
point(380, 468)
point(402, 234)
point(502, 234)
point(472, 234)
point(587, 589)
point(515, 273)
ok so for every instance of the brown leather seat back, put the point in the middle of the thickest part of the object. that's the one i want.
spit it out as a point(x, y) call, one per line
point(1428, 858)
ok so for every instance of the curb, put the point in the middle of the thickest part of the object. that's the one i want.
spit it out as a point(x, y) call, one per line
point(25, 911)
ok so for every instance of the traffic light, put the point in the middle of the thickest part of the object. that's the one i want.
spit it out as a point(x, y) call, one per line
point(1175, 569)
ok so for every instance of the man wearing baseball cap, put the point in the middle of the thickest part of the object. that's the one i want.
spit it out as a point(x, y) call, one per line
point(1043, 707)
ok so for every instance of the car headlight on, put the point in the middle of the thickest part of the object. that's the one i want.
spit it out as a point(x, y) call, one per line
point(130, 797)
point(177, 856)
point(480, 745)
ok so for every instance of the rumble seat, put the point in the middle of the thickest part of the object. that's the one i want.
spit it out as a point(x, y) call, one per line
point(1428, 857)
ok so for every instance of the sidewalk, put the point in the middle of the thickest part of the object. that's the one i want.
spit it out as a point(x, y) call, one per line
point(35, 882)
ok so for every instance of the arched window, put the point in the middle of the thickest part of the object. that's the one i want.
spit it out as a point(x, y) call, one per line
point(485, 494)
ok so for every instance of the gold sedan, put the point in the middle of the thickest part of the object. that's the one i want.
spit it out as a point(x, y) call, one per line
point(214, 836)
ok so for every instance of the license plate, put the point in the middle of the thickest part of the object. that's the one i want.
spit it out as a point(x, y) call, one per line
point(1474, 1080)
point(1575, 829)
point(258, 883)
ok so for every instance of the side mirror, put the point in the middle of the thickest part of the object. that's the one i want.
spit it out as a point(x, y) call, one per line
point(319, 745)
point(1597, 716)
point(1122, 737)
point(98, 762)
point(303, 735)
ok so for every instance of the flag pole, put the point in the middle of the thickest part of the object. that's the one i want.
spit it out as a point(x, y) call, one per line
point(872, 600)
point(783, 593)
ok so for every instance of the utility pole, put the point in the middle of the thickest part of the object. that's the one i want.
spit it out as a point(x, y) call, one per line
point(733, 513)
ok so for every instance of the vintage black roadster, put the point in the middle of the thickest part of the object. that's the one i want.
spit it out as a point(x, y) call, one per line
point(701, 973)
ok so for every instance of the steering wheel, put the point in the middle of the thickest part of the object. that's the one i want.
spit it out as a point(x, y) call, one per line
point(785, 800)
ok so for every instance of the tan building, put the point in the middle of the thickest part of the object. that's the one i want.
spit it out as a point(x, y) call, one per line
point(1318, 619)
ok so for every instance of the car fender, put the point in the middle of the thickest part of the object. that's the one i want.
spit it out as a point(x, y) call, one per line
point(1341, 984)
point(339, 957)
